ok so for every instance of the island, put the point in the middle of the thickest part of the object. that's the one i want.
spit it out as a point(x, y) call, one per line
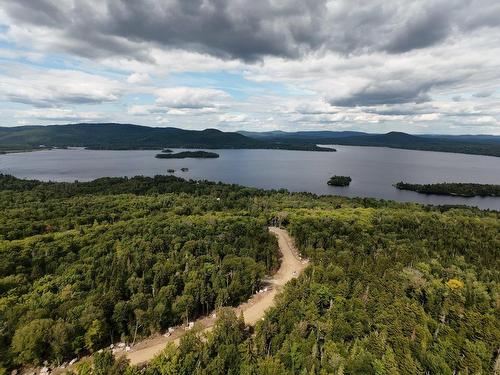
point(454, 189)
point(184, 169)
point(170, 170)
point(188, 154)
point(339, 181)
point(167, 151)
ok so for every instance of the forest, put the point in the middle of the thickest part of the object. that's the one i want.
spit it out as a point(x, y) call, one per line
point(115, 136)
point(448, 188)
point(392, 288)
point(464, 144)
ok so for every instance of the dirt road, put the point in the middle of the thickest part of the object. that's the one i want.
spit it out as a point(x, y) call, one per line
point(253, 310)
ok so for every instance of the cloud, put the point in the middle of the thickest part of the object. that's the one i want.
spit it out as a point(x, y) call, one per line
point(53, 87)
point(181, 101)
point(238, 29)
point(468, 64)
point(190, 98)
point(229, 29)
point(483, 94)
point(59, 115)
point(142, 110)
point(315, 107)
point(427, 26)
point(375, 94)
point(233, 117)
point(139, 78)
point(287, 64)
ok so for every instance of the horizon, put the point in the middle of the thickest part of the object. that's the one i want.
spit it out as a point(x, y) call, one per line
point(428, 67)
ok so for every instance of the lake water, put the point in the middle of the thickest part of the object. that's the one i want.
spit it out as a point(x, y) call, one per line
point(373, 170)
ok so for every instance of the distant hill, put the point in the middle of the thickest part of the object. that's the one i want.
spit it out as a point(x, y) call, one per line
point(467, 144)
point(413, 142)
point(466, 137)
point(301, 134)
point(126, 136)
point(113, 136)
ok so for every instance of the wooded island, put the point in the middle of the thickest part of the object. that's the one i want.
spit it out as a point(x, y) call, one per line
point(339, 181)
point(188, 154)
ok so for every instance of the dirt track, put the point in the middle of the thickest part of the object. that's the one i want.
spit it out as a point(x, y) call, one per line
point(253, 310)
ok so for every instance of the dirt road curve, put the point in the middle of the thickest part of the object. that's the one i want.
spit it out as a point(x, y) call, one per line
point(253, 310)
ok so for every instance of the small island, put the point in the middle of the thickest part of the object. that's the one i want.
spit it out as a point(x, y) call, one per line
point(184, 169)
point(188, 154)
point(339, 181)
point(453, 189)
point(170, 170)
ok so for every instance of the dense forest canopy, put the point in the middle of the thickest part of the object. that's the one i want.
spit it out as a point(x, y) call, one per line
point(112, 136)
point(392, 288)
point(450, 188)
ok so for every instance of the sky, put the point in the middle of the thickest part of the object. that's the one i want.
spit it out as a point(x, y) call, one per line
point(417, 66)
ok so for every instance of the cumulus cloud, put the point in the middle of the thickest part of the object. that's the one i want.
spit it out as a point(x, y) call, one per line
point(242, 29)
point(428, 25)
point(233, 117)
point(53, 87)
point(181, 101)
point(138, 77)
point(387, 93)
point(59, 115)
point(191, 98)
point(235, 28)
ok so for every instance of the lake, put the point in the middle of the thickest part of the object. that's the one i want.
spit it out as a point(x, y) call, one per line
point(373, 170)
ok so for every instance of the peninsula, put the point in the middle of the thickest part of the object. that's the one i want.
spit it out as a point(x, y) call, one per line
point(454, 189)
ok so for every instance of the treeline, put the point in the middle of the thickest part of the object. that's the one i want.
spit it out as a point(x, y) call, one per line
point(138, 185)
point(392, 288)
point(447, 188)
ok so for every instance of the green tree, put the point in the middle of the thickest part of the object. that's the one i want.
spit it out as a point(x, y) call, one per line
point(95, 335)
point(103, 362)
point(30, 341)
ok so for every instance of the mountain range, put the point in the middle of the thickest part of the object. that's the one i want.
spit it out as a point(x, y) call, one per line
point(467, 144)
point(112, 136)
point(115, 136)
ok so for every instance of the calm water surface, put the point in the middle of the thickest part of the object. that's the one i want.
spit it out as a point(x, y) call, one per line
point(373, 170)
